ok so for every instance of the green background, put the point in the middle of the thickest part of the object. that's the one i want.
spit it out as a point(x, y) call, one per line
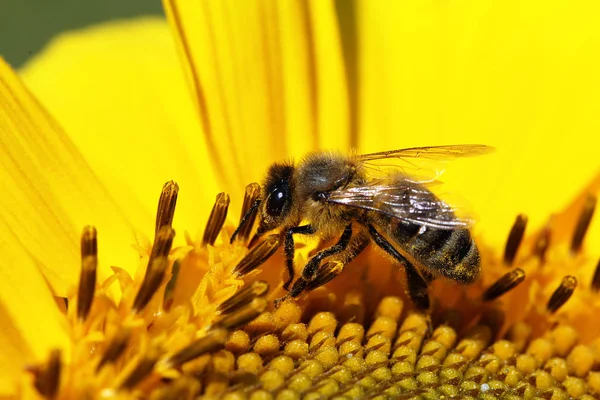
point(27, 25)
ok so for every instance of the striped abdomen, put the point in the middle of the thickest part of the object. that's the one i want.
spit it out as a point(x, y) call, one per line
point(448, 252)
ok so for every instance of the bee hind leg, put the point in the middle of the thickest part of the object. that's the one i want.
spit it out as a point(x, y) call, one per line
point(417, 286)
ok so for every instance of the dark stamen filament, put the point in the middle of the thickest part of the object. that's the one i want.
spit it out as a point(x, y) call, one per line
point(514, 239)
point(157, 266)
point(166, 205)
point(87, 279)
point(258, 255)
point(243, 315)
point(562, 293)
point(47, 377)
point(141, 371)
point(244, 296)
point(506, 282)
point(596, 278)
point(583, 223)
point(213, 341)
point(252, 193)
point(115, 348)
point(216, 219)
point(542, 244)
point(169, 295)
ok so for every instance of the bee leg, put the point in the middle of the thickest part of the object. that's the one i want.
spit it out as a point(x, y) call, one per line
point(417, 286)
point(312, 266)
point(289, 248)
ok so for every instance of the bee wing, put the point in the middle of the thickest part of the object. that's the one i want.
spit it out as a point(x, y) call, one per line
point(424, 164)
point(402, 199)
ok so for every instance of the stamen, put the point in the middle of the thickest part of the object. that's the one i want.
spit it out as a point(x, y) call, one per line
point(258, 255)
point(141, 371)
point(157, 266)
point(166, 205)
point(214, 340)
point(216, 219)
point(87, 279)
point(583, 223)
point(596, 279)
point(244, 296)
point(249, 212)
point(514, 239)
point(243, 315)
point(542, 244)
point(562, 293)
point(168, 297)
point(115, 348)
point(506, 282)
point(47, 377)
point(325, 274)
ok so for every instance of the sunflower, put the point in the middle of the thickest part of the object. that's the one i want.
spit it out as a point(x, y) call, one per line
point(85, 314)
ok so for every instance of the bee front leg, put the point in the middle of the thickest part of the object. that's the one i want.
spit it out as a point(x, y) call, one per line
point(417, 286)
point(289, 249)
point(312, 266)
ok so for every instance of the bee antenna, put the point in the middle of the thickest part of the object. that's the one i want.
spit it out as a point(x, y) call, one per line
point(245, 218)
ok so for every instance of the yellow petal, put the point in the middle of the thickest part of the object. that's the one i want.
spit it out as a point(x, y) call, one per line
point(30, 323)
point(49, 192)
point(268, 79)
point(518, 76)
point(119, 91)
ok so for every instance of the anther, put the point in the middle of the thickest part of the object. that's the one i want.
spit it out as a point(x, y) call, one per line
point(141, 371)
point(214, 340)
point(542, 244)
point(258, 255)
point(506, 282)
point(583, 223)
point(115, 348)
point(514, 239)
point(47, 377)
point(87, 279)
point(244, 296)
point(596, 278)
point(243, 315)
point(562, 293)
point(249, 212)
point(166, 205)
point(157, 266)
point(216, 219)
point(325, 274)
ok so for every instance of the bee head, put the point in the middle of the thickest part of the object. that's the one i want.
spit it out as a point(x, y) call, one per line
point(277, 193)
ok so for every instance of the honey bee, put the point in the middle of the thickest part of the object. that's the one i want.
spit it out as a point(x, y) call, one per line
point(337, 197)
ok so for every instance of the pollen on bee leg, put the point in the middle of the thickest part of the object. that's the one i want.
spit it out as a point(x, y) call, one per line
point(514, 239)
point(214, 340)
point(325, 274)
point(87, 279)
point(249, 211)
point(243, 315)
point(157, 266)
point(244, 296)
point(585, 218)
point(166, 205)
point(216, 219)
point(258, 255)
point(47, 376)
point(506, 282)
point(562, 293)
point(115, 348)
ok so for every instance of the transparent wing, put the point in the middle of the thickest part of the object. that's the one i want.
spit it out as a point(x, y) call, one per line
point(424, 164)
point(404, 199)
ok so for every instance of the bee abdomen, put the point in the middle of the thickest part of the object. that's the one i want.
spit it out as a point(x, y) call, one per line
point(451, 253)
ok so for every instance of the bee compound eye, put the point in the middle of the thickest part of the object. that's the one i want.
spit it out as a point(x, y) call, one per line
point(276, 202)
